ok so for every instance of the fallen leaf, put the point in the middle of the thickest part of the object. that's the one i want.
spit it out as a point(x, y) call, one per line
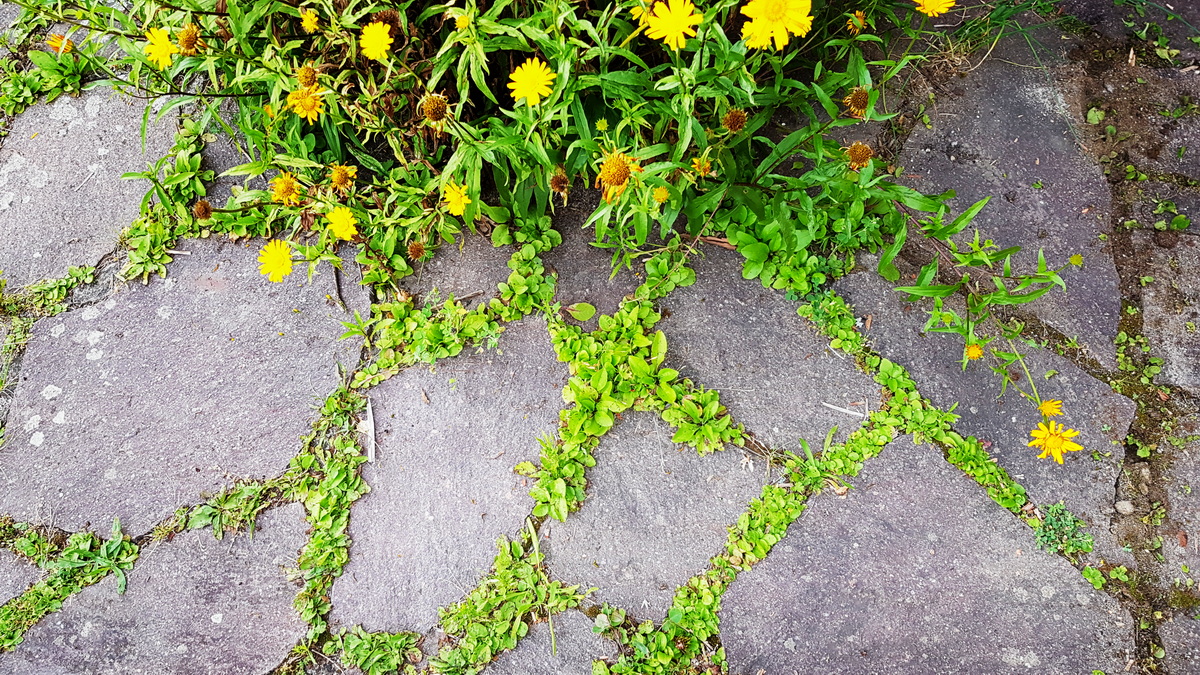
point(1182, 536)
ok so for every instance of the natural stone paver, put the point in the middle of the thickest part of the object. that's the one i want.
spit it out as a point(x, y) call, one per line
point(654, 516)
point(473, 270)
point(1085, 483)
point(62, 201)
point(139, 404)
point(1019, 148)
point(1171, 307)
point(917, 570)
point(1181, 640)
point(1181, 531)
point(16, 575)
point(773, 370)
point(193, 605)
point(442, 485)
point(571, 652)
point(1108, 18)
point(584, 271)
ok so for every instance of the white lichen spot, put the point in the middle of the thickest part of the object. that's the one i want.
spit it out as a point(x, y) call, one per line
point(62, 110)
point(33, 422)
point(90, 313)
point(1015, 658)
point(6, 200)
point(92, 107)
point(57, 331)
point(51, 392)
point(163, 312)
point(36, 439)
point(94, 336)
point(102, 151)
point(218, 618)
point(1047, 592)
point(110, 303)
point(60, 417)
point(95, 354)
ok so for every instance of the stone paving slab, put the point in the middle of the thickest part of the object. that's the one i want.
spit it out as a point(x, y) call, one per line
point(139, 404)
point(916, 570)
point(655, 514)
point(773, 370)
point(194, 605)
point(1182, 490)
point(1171, 306)
point(1108, 19)
point(1004, 146)
point(571, 653)
point(62, 201)
point(1181, 640)
point(16, 575)
point(473, 270)
point(933, 359)
point(442, 485)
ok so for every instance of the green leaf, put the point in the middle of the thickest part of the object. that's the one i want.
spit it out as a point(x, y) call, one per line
point(581, 311)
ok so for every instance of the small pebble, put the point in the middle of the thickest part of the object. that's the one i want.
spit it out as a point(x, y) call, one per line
point(1124, 508)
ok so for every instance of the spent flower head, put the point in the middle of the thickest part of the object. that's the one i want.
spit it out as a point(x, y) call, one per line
point(189, 40)
point(734, 120)
point(285, 189)
point(859, 154)
point(857, 101)
point(341, 176)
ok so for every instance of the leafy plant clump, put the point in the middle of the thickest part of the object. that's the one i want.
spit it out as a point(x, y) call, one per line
point(1062, 532)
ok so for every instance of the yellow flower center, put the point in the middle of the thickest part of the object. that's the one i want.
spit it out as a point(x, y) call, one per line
point(434, 107)
point(614, 172)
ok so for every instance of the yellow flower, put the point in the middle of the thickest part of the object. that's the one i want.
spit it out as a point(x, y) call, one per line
point(974, 351)
point(641, 15)
point(531, 81)
point(1050, 408)
point(159, 47)
point(306, 103)
point(602, 125)
point(1054, 440)
point(59, 44)
point(615, 171)
point(860, 155)
point(734, 120)
point(933, 8)
point(857, 101)
point(661, 194)
point(308, 21)
point(856, 23)
point(285, 189)
point(276, 259)
point(342, 176)
point(775, 21)
point(376, 40)
point(189, 40)
point(456, 198)
point(672, 22)
point(268, 110)
point(306, 75)
point(701, 166)
point(462, 21)
point(342, 223)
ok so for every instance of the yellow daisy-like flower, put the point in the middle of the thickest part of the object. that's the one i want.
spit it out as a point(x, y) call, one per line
point(531, 81)
point(189, 40)
point(1054, 440)
point(860, 155)
point(160, 49)
point(268, 110)
point(308, 21)
point(342, 223)
point(306, 75)
point(672, 22)
point(857, 101)
point(602, 125)
point(59, 44)
point(974, 352)
point(376, 40)
point(306, 103)
point(1050, 408)
point(462, 21)
point(701, 166)
point(932, 8)
point(614, 175)
point(661, 194)
point(455, 197)
point(276, 259)
point(285, 189)
point(775, 21)
point(342, 176)
point(856, 23)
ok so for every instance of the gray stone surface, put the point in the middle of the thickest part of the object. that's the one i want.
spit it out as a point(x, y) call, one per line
point(1171, 307)
point(193, 605)
point(773, 370)
point(1181, 640)
point(16, 575)
point(575, 645)
point(475, 269)
point(62, 201)
point(1003, 423)
point(442, 485)
point(1181, 533)
point(141, 403)
point(916, 570)
point(654, 516)
point(984, 143)
point(585, 272)
point(1108, 19)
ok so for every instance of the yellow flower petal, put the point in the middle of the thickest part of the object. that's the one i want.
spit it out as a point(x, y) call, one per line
point(531, 81)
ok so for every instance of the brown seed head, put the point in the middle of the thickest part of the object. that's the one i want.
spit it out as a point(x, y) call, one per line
point(202, 210)
point(416, 250)
point(390, 18)
point(306, 76)
point(734, 120)
point(307, 219)
point(560, 183)
point(860, 155)
point(434, 108)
